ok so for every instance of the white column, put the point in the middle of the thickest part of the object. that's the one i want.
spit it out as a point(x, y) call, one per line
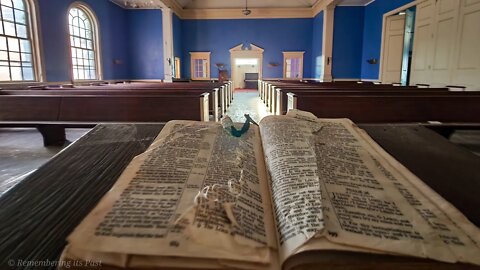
point(168, 58)
point(327, 48)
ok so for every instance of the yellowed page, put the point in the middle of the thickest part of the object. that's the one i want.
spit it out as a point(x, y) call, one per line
point(197, 192)
point(295, 188)
point(368, 200)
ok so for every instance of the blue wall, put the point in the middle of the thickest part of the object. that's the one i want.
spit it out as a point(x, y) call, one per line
point(317, 46)
point(112, 21)
point(273, 35)
point(177, 36)
point(372, 33)
point(347, 42)
point(132, 47)
point(145, 44)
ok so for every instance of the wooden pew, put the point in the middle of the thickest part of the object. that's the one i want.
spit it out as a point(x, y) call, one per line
point(269, 90)
point(263, 85)
point(224, 92)
point(51, 132)
point(455, 107)
point(213, 101)
point(134, 108)
point(279, 103)
point(51, 113)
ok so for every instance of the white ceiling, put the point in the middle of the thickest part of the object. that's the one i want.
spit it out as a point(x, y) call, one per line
point(139, 3)
point(216, 4)
point(228, 4)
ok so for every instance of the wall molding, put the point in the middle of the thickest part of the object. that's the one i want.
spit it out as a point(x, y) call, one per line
point(236, 13)
point(257, 13)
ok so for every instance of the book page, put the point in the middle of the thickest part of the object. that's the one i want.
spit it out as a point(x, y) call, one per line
point(368, 202)
point(197, 192)
point(295, 188)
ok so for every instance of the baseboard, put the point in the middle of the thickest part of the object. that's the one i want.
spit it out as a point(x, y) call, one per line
point(369, 80)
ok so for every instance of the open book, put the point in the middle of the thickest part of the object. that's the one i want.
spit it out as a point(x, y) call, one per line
point(282, 195)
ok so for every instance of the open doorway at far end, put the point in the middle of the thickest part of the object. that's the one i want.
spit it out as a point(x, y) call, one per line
point(246, 74)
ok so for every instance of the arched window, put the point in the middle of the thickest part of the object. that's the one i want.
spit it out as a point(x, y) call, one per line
point(18, 41)
point(84, 43)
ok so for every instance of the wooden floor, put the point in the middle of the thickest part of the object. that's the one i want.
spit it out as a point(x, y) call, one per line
point(469, 139)
point(22, 150)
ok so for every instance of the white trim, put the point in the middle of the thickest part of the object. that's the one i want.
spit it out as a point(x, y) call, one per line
point(36, 39)
point(235, 13)
point(384, 20)
point(237, 52)
point(327, 45)
point(321, 5)
point(167, 25)
point(177, 9)
point(256, 13)
point(96, 39)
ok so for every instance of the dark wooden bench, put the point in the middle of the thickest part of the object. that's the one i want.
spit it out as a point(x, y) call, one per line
point(266, 86)
point(49, 113)
point(213, 105)
point(274, 94)
point(457, 107)
point(279, 101)
point(224, 92)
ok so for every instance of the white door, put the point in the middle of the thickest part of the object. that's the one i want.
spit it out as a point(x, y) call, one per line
point(466, 68)
point(445, 25)
point(393, 49)
point(422, 43)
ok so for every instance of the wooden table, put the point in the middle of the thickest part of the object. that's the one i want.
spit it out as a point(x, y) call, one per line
point(39, 213)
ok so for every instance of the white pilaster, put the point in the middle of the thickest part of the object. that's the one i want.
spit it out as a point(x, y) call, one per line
point(168, 59)
point(327, 48)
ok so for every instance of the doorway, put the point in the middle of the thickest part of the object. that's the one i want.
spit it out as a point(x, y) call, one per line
point(246, 73)
point(408, 46)
point(397, 47)
point(246, 62)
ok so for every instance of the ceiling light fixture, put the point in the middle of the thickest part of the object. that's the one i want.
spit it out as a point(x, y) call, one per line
point(246, 11)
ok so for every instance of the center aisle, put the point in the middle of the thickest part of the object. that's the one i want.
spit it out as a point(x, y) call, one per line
point(247, 102)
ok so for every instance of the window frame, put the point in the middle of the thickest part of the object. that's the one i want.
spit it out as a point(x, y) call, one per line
point(31, 10)
point(199, 55)
point(290, 55)
point(96, 41)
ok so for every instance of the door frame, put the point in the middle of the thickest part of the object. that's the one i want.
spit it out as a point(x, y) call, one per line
point(384, 31)
point(254, 52)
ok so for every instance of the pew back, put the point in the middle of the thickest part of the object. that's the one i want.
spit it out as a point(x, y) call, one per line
point(451, 107)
